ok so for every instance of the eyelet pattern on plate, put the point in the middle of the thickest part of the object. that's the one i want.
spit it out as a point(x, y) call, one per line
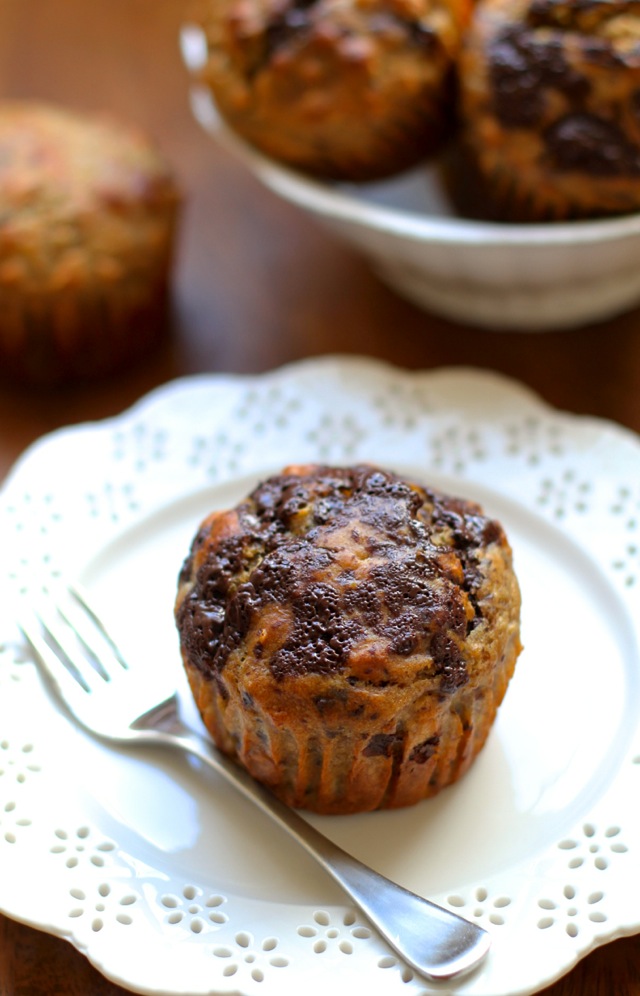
point(82, 490)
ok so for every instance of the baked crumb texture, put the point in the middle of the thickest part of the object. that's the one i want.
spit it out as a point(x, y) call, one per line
point(348, 635)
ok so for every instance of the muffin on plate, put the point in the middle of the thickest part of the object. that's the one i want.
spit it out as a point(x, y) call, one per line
point(88, 212)
point(343, 89)
point(348, 635)
point(550, 107)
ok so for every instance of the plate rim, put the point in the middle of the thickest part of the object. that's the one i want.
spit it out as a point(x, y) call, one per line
point(333, 368)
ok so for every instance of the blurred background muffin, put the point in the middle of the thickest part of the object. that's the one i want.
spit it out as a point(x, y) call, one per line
point(550, 106)
point(88, 213)
point(343, 89)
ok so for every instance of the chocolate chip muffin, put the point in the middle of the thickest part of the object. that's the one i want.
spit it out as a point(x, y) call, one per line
point(348, 635)
point(551, 108)
point(343, 89)
point(88, 210)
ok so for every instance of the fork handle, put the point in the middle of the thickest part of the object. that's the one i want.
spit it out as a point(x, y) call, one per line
point(437, 943)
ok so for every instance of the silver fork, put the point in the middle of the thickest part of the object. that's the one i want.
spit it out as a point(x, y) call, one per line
point(111, 700)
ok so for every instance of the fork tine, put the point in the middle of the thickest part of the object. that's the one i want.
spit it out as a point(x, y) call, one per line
point(73, 643)
point(64, 675)
point(79, 621)
point(84, 667)
point(67, 633)
point(87, 634)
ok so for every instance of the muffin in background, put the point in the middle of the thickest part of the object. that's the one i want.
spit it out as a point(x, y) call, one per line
point(550, 110)
point(342, 89)
point(88, 214)
point(348, 635)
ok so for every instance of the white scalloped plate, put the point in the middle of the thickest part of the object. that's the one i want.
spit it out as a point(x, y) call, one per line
point(159, 873)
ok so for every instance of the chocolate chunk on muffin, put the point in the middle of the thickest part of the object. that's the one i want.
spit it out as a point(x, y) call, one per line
point(550, 98)
point(88, 211)
point(348, 635)
point(343, 89)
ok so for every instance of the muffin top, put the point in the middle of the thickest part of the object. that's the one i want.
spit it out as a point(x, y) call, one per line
point(347, 572)
point(566, 70)
point(353, 89)
point(77, 194)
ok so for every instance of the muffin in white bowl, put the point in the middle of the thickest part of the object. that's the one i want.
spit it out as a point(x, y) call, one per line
point(342, 89)
point(549, 96)
point(508, 276)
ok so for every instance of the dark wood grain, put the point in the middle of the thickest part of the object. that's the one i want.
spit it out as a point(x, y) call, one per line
point(257, 285)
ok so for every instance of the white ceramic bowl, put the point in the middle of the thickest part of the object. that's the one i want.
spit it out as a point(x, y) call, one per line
point(502, 276)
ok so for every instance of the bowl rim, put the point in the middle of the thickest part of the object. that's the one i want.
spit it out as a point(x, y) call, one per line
point(333, 203)
point(338, 204)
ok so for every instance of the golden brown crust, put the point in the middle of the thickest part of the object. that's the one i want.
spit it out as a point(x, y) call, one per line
point(348, 635)
point(347, 89)
point(549, 95)
point(88, 211)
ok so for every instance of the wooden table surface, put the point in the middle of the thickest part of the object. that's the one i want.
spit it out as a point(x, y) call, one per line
point(257, 284)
